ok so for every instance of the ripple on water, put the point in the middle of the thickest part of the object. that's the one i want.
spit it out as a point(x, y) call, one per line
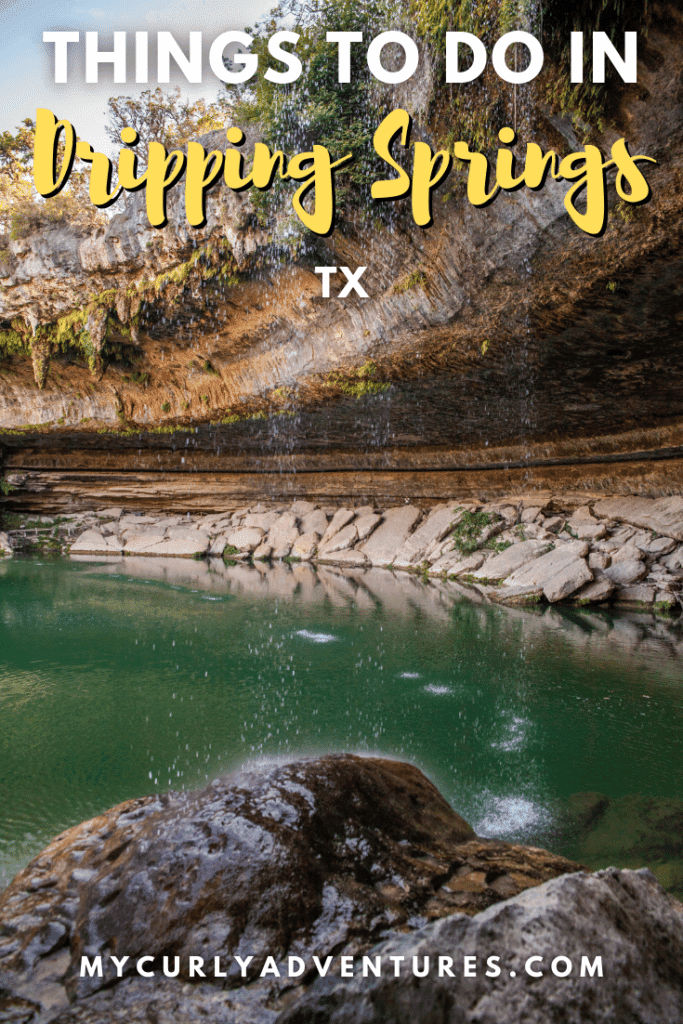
point(316, 638)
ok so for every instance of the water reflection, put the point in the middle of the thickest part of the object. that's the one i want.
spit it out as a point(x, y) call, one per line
point(121, 677)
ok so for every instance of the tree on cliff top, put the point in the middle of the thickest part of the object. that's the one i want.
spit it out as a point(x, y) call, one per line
point(165, 117)
point(22, 210)
point(317, 109)
point(160, 116)
point(16, 157)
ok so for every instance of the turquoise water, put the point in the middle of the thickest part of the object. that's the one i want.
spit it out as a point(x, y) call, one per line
point(131, 677)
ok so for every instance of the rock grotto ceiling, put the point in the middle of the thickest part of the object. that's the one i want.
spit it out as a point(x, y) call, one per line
point(500, 349)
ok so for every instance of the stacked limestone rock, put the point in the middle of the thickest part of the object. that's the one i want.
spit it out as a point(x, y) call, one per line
point(625, 549)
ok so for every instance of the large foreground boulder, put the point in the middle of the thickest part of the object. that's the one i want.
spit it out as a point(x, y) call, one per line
point(275, 866)
point(318, 857)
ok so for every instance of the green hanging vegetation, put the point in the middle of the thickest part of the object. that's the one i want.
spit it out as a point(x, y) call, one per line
point(589, 104)
point(317, 109)
point(71, 333)
point(476, 111)
point(14, 343)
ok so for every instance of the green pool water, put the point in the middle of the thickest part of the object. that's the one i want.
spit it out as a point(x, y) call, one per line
point(123, 678)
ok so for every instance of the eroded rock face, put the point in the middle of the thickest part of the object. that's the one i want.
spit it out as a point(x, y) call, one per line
point(317, 857)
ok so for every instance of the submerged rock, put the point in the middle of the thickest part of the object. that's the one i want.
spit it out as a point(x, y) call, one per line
point(649, 828)
point(630, 831)
point(320, 857)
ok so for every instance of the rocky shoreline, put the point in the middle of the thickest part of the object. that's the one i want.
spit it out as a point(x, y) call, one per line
point(585, 549)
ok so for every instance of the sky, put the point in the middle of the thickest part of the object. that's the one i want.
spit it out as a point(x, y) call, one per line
point(26, 62)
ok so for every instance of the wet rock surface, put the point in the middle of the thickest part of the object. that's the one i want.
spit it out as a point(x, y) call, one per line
point(300, 457)
point(317, 857)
